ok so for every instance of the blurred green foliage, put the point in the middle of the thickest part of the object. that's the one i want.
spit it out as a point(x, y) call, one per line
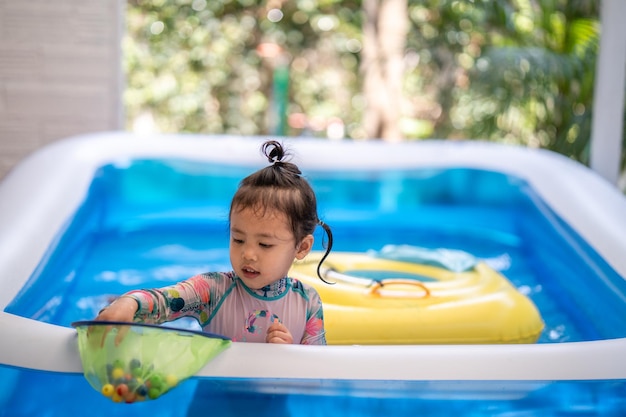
point(197, 65)
point(517, 71)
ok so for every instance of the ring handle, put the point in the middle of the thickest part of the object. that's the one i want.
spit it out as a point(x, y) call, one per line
point(377, 288)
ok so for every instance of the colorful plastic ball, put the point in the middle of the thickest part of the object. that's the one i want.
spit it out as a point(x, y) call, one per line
point(130, 398)
point(122, 390)
point(156, 381)
point(142, 390)
point(154, 393)
point(133, 383)
point(134, 363)
point(107, 390)
point(117, 373)
point(171, 380)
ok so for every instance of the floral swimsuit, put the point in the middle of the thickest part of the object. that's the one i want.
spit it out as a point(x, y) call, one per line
point(222, 304)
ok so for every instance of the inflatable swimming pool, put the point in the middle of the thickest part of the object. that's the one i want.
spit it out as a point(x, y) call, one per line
point(555, 228)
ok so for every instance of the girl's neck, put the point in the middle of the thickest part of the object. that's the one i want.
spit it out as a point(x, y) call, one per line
point(273, 290)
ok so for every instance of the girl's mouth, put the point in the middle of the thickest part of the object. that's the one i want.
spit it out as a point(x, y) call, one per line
point(249, 272)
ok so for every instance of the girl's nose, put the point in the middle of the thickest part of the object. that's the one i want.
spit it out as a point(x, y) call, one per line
point(249, 254)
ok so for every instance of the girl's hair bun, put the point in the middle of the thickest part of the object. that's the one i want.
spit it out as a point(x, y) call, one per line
point(274, 151)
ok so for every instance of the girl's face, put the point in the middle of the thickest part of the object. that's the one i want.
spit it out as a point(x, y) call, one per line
point(262, 248)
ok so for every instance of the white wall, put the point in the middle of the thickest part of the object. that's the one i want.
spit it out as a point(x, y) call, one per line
point(60, 72)
point(608, 116)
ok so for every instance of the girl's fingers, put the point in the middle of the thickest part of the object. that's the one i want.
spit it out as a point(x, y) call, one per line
point(122, 310)
point(278, 333)
point(121, 332)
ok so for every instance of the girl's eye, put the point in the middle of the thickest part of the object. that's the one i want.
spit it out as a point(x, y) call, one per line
point(239, 241)
point(265, 245)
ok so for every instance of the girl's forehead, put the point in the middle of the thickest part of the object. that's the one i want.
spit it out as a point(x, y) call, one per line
point(266, 224)
point(259, 214)
point(259, 211)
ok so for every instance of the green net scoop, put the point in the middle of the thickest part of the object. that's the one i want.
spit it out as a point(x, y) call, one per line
point(130, 362)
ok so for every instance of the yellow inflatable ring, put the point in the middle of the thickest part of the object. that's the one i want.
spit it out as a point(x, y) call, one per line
point(411, 303)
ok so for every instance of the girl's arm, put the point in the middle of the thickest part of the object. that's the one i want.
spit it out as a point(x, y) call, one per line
point(159, 305)
point(314, 333)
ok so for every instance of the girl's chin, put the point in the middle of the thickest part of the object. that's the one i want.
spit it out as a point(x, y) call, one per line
point(251, 283)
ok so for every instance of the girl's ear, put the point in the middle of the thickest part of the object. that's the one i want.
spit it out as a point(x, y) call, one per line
point(304, 247)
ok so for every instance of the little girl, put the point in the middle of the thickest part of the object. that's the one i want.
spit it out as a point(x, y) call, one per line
point(272, 218)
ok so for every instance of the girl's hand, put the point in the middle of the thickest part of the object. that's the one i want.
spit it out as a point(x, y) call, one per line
point(122, 309)
point(278, 333)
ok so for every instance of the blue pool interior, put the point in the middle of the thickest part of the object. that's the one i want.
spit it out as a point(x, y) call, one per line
point(153, 222)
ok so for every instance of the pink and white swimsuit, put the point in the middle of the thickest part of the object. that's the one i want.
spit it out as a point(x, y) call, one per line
point(222, 304)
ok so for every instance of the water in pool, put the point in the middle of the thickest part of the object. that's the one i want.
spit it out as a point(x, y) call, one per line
point(153, 222)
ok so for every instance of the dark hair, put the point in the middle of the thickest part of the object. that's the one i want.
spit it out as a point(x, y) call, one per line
point(280, 186)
